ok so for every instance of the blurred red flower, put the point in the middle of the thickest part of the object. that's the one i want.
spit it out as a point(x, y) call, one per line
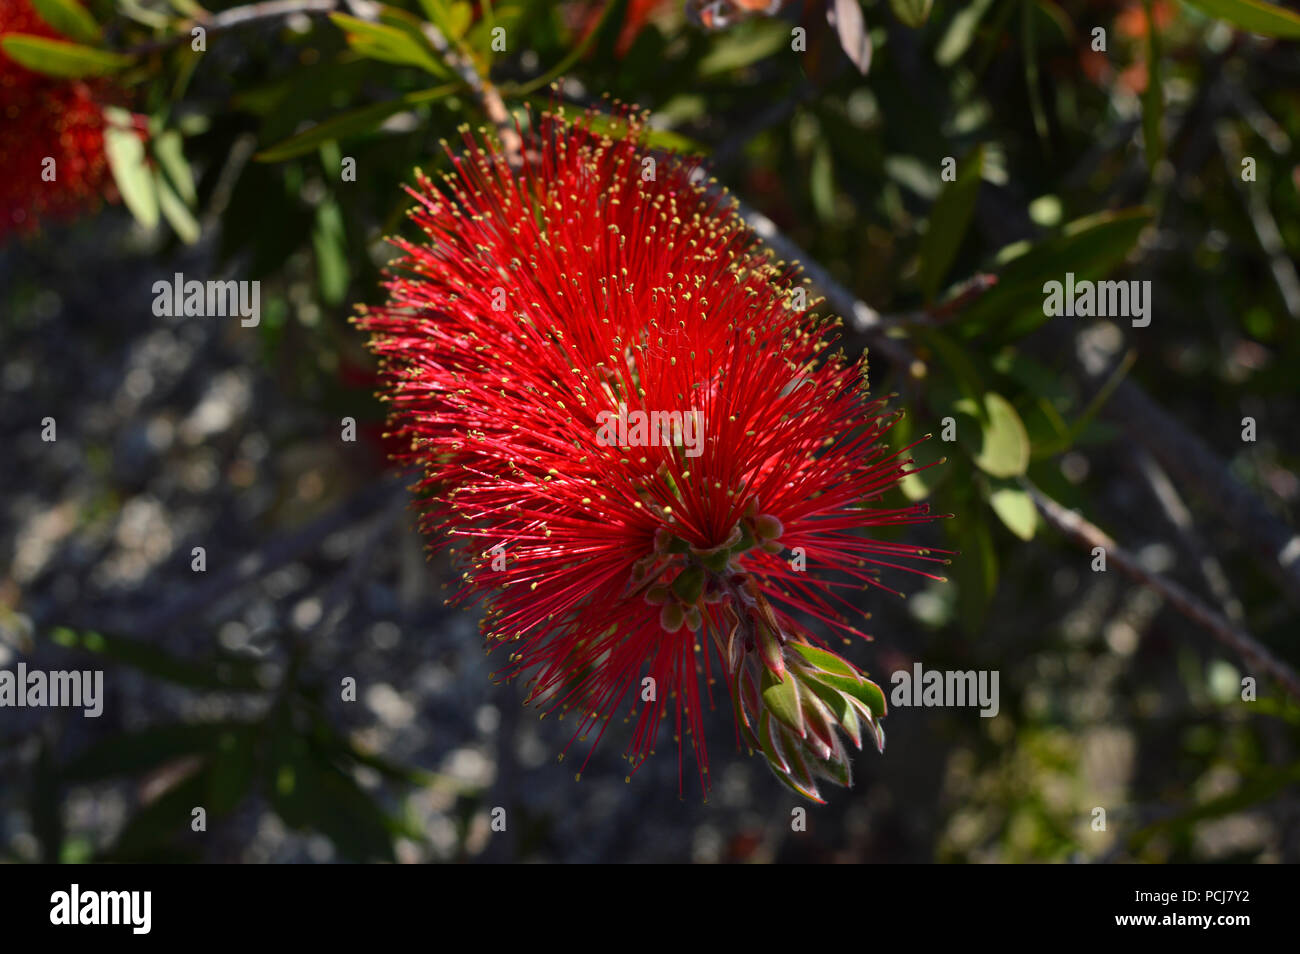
point(46, 118)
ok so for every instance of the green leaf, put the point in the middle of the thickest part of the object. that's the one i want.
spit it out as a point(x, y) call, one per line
point(825, 661)
point(689, 584)
point(453, 19)
point(1153, 98)
point(912, 13)
point(949, 218)
point(175, 211)
point(355, 122)
point(921, 484)
point(1003, 448)
point(126, 158)
point(871, 696)
point(976, 568)
point(1089, 247)
point(60, 58)
point(767, 739)
point(746, 44)
point(329, 240)
point(841, 708)
point(1255, 16)
point(961, 31)
point(188, 8)
point(1029, 53)
point(389, 43)
point(480, 36)
point(1015, 508)
point(415, 29)
point(782, 700)
point(837, 771)
point(69, 18)
point(821, 182)
point(169, 150)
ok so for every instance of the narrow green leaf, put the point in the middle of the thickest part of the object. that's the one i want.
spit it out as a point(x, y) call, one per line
point(1153, 97)
point(871, 696)
point(821, 182)
point(453, 19)
point(69, 18)
point(825, 660)
point(356, 122)
point(329, 240)
point(60, 58)
point(912, 13)
point(1089, 247)
point(349, 125)
point(389, 43)
point(1029, 52)
point(840, 706)
point(169, 150)
point(767, 729)
point(745, 45)
point(1255, 16)
point(838, 772)
point(188, 8)
point(950, 216)
point(175, 211)
point(961, 31)
point(126, 158)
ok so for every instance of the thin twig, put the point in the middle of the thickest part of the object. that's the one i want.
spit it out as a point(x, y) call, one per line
point(1187, 458)
point(1176, 512)
point(234, 17)
point(1234, 637)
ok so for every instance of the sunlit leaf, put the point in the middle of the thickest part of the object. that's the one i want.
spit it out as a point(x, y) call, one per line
point(69, 18)
point(1002, 448)
point(1266, 19)
point(60, 58)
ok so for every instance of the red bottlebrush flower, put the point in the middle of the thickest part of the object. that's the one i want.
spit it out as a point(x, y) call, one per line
point(45, 118)
point(535, 347)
